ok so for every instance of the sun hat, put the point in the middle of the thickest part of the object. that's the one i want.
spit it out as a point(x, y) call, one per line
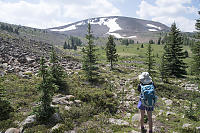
point(145, 78)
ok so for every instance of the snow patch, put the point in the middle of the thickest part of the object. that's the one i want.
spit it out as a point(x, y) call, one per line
point(115, 34)
point(152, 30)
point(72, 27)
point(151, 25)
point(110, 23)
point(131, 37)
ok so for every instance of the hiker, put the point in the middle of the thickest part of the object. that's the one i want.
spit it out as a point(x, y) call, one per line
point(146, 102)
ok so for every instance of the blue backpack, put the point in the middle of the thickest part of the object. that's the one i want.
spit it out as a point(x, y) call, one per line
point(148, 97)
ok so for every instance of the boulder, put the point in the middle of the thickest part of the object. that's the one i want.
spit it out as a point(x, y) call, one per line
point(128, 115)
point(168, 102)
point(170, 113)
point(198, 129)
point(118, 122)
point(186, 125)
point(136, 117)
point(57, 126)
point(70, 97)
point(13, 130)
point(133, 131)
point(67, 108)
point(28, 121)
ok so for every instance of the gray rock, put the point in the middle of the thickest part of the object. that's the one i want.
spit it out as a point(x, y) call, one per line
point(187, 125)
point(133, 131)
point(71, 131)
point(12, 130)
point(168, 102)
point(2, 73)
point(136, 117)
point(170, 113)
point(128, 115)
point(70, 97)
point(118, 122)
point(67, 108)
point(58, 125)
point(198, 129)
point(28, 121)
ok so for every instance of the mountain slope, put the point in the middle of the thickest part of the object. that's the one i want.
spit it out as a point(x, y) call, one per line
point(118, 26)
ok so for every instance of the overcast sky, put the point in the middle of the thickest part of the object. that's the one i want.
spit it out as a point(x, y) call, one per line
point(52, 13)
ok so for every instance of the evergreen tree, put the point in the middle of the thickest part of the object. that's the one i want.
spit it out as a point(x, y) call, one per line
point(57, 71)
point(89, 58)
point(150, 59)
point(142, 46)
point(68, 45)
point(174, 53)
point(159, 40)
point(125, 42)
point(47, 88)
point(151, 42)
point(65, 45)
point(5, 107)
point(163, 69)
point(75, 47)
point(111, 51)
point(196, 51)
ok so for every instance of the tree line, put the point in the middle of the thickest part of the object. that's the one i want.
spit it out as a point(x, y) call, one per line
point(9, 28)
point(72, 43)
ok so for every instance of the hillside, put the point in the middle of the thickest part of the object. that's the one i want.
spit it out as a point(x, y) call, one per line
point(33, 33)
point(118, 26)
point(109, 105)
point(91, 108)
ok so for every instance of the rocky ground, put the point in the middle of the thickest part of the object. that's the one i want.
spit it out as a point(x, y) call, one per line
point(22, 56)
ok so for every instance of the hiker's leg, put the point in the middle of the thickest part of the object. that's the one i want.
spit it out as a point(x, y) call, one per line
point(150, 120)
point(142, 118)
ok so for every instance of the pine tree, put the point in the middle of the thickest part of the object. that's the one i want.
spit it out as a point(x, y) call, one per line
point(174, 53)
point(196, 51)
point(57, 71)
point(65, 46)
point(47, 88)
point(163, 69)
point(159, 40)
point(111, 51)
point(150, 59)
point(89, 58)
point(68, 45)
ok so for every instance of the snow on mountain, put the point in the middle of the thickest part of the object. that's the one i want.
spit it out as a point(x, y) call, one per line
point(110, 23)
point(152, 30)
point(118, 26)
point(151, 25)
point(72, 27)
point(117, 35)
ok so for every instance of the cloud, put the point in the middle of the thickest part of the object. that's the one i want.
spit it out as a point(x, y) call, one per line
point(51, 13)
point(169, 11)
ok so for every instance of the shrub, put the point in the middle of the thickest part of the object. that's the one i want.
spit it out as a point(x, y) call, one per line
point(102, 99)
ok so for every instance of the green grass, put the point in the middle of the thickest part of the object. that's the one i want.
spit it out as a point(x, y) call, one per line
point(23, 95)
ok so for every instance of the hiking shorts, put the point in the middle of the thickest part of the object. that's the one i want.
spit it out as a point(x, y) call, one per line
point(141, 107)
